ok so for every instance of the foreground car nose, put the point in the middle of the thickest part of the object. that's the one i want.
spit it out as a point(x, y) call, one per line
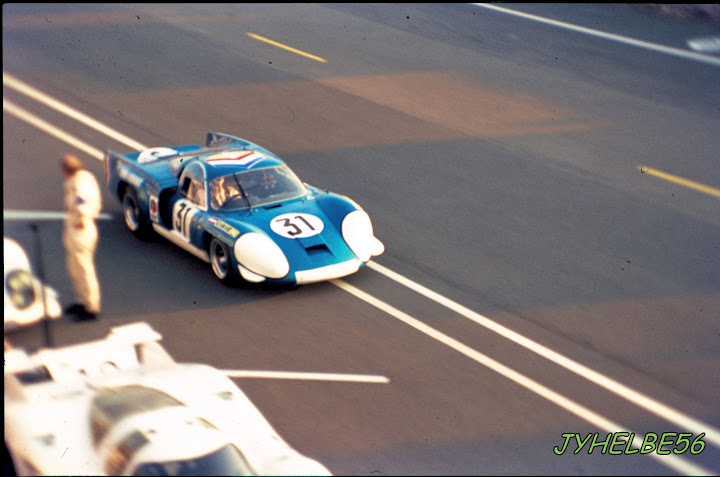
point(259, 254)
point(357, 230)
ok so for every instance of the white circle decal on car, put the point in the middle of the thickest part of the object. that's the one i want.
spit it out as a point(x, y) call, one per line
point(297, 225)
point(155, 153)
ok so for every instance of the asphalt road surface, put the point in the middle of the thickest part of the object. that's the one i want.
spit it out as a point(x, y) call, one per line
point(548, 196)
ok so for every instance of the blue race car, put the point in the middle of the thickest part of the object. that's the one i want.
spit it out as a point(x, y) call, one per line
point(240, 208)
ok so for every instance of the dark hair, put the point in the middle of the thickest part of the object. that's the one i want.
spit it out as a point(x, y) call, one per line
point(70, 163)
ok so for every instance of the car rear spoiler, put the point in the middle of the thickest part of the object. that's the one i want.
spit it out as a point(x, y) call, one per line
point(216, 139)
point(224, 141)
point(125, 347)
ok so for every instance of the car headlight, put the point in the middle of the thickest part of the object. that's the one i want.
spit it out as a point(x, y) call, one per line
point(357, 230)
point(259, 254)
point(20, 287)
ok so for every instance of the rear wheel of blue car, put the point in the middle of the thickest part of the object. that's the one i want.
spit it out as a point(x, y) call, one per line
point(221, 262)
point(132, 214)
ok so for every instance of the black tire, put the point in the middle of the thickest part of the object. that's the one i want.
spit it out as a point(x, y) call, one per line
point(134, 219)
point(221, 263)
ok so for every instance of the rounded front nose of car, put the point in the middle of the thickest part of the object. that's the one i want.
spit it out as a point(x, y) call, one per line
point(257, 253)
point(357, 230)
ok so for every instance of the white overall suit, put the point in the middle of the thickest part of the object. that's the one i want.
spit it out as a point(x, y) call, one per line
point(80, 236)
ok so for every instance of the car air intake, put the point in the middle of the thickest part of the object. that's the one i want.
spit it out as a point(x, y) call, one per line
point(317, 249)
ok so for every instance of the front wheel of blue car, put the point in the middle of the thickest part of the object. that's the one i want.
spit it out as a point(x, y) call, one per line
point(132, 214)
point(221, 262)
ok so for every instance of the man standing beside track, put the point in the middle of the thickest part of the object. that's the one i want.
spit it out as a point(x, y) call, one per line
point(80, 236)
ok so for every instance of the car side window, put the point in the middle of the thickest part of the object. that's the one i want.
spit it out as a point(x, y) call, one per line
point(192, 184)
point(198, 193)
point(192, 194)
point(185, 186)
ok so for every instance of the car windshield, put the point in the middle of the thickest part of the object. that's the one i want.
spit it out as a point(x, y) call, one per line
point(254, 188)
point(225, 461)
point(113, 404)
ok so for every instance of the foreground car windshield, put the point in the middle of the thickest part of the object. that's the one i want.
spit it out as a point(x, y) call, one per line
point(254, 188)
point(225, 461)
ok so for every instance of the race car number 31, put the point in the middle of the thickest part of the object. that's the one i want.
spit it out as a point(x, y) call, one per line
point(297, 225)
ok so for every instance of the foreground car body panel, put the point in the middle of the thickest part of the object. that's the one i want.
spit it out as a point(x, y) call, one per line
point(23, 302)
point(123, 406)
point(175, 198)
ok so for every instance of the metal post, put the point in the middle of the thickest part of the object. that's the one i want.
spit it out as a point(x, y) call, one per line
point(41, 276)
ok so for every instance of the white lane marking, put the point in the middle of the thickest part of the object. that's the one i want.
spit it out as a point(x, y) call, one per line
point(357, 378)
point(27, 90)
point(41, 215)
point(664, 411)
point(595, 419)
point(637, 398)
point(43, 125)
point(713, 60)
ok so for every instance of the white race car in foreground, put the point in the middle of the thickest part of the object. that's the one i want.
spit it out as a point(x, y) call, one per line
point(123, 406)
point(23, 291)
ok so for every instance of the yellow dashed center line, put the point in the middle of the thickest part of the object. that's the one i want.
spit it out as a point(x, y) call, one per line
point(690, 184)
point(285, 47)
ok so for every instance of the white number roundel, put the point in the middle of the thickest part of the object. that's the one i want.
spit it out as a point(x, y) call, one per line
point(297, 225)
point(155, 153)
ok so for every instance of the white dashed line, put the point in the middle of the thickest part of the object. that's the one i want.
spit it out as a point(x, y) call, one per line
point(41, 215)
point(356, 378)
point(713, 60)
